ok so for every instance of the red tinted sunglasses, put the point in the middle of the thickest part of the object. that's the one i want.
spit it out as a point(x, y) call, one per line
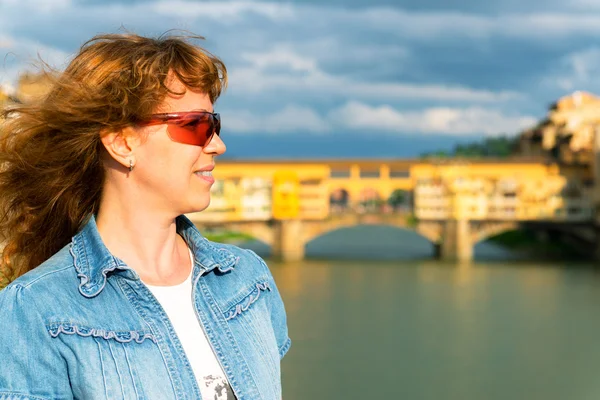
point(191, 127)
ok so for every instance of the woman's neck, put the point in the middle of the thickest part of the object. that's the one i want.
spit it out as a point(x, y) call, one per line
point(146, 240)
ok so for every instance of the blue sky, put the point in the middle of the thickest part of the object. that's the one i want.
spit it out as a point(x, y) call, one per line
point(349, 78)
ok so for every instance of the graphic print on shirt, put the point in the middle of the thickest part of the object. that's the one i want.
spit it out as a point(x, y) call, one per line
point(216, 388)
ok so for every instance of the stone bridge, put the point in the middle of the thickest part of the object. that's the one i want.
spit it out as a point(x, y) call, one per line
point(452, 239)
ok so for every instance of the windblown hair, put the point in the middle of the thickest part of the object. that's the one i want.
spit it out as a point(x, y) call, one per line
point(51, 173)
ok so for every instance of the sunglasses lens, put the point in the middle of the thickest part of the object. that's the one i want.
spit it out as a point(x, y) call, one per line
point(194, 129)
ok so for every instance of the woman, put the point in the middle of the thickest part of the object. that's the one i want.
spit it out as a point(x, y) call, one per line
point(130, 301)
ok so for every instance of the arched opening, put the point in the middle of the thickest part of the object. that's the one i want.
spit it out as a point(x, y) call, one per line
point(369, 201)
point(339, 201)
point(534, 242)
point(503, 245)
point(370, 242)
point(400, 200)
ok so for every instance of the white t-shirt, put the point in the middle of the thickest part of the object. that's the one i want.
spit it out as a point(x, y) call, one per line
point(177, 303)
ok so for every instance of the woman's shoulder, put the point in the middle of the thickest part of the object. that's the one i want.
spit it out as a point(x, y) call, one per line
point(54, 275)
point(240, 272)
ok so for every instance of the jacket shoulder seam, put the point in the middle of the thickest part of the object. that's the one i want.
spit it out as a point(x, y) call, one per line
point(24, 396)
point(26, 284)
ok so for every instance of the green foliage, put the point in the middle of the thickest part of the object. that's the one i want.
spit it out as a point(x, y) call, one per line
point(411, 220)
point(494, 147)
point(227, 237)
point(397, 198)
point(538, 243)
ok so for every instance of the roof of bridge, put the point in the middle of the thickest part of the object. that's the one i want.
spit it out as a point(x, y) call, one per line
point(399, 162)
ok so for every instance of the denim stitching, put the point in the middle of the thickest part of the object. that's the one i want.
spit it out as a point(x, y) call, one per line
point(112, 354)
point(31, 282)
point(249, 328)
point(217, 346)
point(128, 291)
point(83, 278)
point(102, 365)
point(251, 386)
point(133, 376)
point(121, 337)
point(239, 308)
point(19, 396)
point(88, 288)
point(285, 347)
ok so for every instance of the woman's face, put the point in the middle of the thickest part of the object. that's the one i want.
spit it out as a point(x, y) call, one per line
point(169, 172)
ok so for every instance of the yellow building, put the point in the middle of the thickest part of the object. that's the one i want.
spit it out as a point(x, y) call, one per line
point(568, 132)
point(484, 190)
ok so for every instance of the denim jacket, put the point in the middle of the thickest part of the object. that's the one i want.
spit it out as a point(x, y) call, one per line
point(83, 326)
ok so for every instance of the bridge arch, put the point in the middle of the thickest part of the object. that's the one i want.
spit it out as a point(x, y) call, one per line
point(488, 230)
point(369, 200)
point(374, 241)
point(314, 230)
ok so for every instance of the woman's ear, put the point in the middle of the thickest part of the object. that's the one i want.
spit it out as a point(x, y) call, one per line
point(121, 145)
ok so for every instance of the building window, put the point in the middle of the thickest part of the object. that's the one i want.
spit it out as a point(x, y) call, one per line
point(311, 182)
point(340, 173)
point(369, 173)
point(399, 173)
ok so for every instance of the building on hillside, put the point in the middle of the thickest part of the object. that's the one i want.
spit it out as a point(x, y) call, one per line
point(568, 132)
point(570, 137)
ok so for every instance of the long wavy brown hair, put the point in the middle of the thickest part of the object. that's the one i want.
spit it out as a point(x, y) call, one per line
point(51, 174)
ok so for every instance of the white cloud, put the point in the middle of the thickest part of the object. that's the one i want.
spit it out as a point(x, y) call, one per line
point(220, 9)
point(584, 5)
point(42, 5)
point(291, 118)
point(6, 42)
point(20, 56)
point(577, 70)
point(357, 116)
point(286, 17)
point(271, 44)
point(449, 24)
point(281, 57)
point(440, 120)
point(303, 75)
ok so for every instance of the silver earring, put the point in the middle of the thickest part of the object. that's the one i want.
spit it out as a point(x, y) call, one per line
point(130, 165)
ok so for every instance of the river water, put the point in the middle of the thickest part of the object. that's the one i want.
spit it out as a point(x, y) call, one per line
point(385, 321)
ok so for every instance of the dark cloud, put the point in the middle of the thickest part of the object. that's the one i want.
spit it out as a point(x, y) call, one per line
point(466, 6)
point(493, 55)
point(463, 6)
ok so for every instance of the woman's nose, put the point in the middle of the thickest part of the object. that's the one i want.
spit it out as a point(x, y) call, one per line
point(215, 146)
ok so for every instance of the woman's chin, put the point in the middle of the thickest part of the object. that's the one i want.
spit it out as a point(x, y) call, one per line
point(198, 206)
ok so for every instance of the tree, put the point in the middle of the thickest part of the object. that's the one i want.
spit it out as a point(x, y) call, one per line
point(498, 147)
point(398, 198)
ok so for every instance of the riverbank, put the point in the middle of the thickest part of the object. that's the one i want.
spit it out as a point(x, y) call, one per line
point(387, 243)
point(227, 237)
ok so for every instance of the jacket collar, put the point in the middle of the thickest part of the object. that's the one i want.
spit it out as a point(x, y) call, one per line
point(93, 262)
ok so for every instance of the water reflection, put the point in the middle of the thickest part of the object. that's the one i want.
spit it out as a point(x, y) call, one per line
point(426, 330)
point(385, 320)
